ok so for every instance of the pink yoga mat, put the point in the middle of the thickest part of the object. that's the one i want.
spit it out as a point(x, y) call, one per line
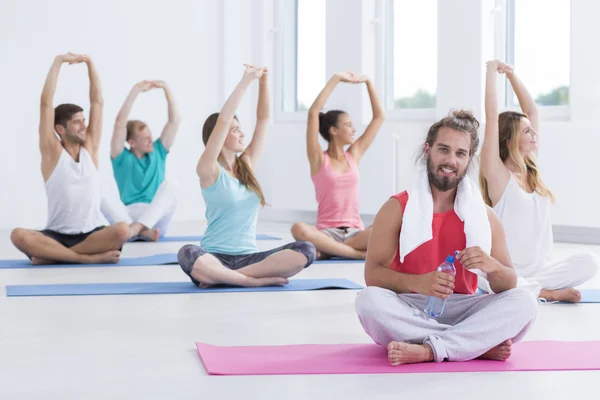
point(372, 359)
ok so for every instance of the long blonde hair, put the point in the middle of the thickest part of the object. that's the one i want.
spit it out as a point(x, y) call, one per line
point(509, 135)
point(242, 169)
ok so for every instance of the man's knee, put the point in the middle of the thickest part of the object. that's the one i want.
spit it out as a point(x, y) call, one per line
point(368, 300)
point(20, 237)
point(120, 232)
point(524, 303)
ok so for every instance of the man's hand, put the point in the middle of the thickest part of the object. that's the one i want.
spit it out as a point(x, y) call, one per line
point(158, 84)
point(435, 283)
point(475, 258)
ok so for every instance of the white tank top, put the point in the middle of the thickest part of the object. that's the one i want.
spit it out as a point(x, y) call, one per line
point(528, 225)
point(74, 195)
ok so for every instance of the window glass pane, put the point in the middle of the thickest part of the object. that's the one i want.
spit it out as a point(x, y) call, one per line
point(542, 51)
point(415, 53)
point(310, 60)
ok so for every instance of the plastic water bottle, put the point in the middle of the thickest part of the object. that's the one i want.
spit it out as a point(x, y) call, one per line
point(435, 305)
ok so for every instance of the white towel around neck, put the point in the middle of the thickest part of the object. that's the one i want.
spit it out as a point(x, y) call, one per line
point(418, 216)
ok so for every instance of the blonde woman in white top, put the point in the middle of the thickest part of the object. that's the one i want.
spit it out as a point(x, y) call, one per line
point(511, 183)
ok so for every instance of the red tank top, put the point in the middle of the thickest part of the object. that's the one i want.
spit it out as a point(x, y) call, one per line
point(448, 236)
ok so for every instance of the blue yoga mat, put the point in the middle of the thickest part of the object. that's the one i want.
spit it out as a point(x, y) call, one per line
point(156, 259)
point(193, 238)
point(587, 296)
point(338, 260)
point(590, 296)
point(87, 289)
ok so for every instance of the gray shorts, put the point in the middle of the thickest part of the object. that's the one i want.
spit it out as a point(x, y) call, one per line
point(341, 234)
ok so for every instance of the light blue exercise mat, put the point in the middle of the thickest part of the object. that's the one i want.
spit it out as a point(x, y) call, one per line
point(339, 260)
point(95, 289)
point(590, 296)
point(156, 259)
point(193, 238)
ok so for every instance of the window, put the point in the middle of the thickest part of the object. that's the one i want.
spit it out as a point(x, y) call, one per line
point(538, 45)
point(303, 63)
point(411, 37)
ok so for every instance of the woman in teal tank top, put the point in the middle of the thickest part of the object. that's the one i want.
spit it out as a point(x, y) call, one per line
point(228, 254)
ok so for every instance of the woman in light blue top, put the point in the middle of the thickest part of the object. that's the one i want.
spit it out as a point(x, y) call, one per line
point(233, 197)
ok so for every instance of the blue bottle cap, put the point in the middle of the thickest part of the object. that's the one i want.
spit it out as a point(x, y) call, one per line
point(450, 259)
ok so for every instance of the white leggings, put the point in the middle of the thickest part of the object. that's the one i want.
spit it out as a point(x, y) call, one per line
point(469, 326)
point(153, 215)
point(566, 273)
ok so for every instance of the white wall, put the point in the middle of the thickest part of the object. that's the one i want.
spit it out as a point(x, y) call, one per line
point(199, 46)
point(130, 40)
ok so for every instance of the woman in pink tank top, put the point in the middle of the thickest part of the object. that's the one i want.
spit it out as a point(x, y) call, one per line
point(339, 231)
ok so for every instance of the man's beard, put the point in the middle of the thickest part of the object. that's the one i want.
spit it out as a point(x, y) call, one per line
point(443, 183)
point(73, 138)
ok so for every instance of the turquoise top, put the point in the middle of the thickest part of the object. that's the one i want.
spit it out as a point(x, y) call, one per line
point(138, 179)
point(232, 213)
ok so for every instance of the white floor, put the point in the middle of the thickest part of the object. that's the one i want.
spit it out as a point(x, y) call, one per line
point(142, 347)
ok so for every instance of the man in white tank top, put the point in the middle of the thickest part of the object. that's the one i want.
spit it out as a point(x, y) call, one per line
point(74, 231)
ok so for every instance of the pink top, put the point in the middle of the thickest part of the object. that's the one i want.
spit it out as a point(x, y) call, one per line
point(337, 195)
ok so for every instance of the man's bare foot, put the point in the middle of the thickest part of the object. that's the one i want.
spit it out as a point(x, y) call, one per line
point(135, 229)
point(108, 257)
point(498, 353)
point(405, 353)
point(41, 261)
point(150, 234)
point(569, 294)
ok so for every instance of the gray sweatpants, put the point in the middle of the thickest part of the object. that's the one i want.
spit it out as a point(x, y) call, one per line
point(470, 325)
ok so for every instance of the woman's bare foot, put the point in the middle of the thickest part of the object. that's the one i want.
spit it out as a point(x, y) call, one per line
point(360, 254)
point(250, 282)
point(569, 294)
point(498, 353)
point(41, 261)
point(272, 281)
point(405, 353)
point(108, 257)
point(150, 234)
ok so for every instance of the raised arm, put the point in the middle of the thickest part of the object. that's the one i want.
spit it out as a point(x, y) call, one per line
point(491, 165)
point(94, 131)
point(48, 140)
point(208, 168)
point(263, 115)
point(361, 144)
point(383, 247)
point(50, 146)
point(313, 149)
point(117, 143)
point(526, 101)
point(497, 265)
point(167, 136)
